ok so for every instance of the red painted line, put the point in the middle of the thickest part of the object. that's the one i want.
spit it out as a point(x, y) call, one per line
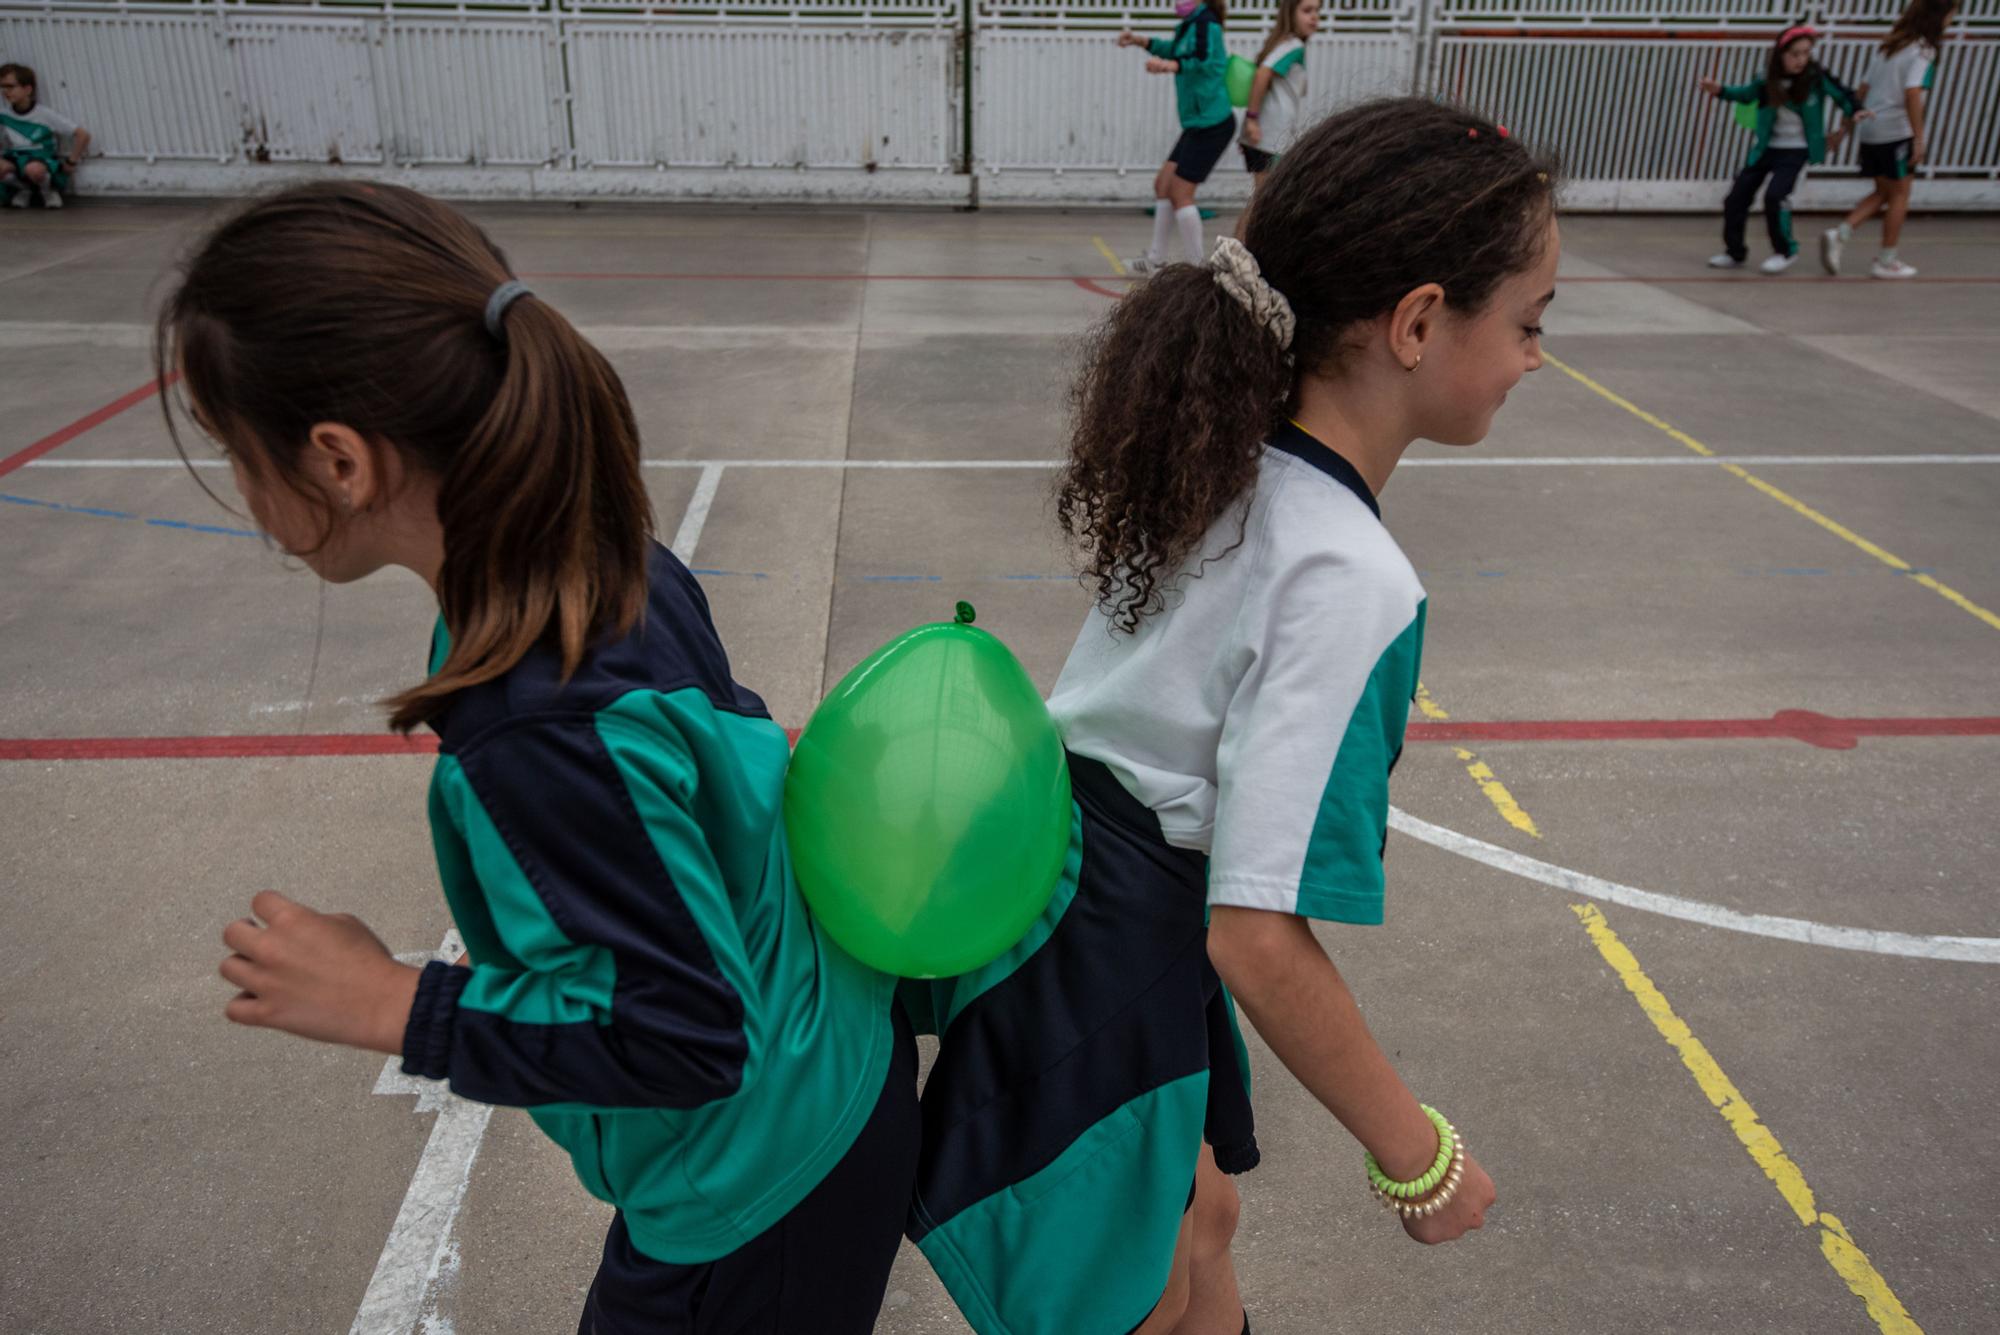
point(1091, 285)
point(1800, 725)
point(809, 277)
point(21, 458)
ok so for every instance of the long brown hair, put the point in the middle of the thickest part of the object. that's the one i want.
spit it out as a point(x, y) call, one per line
point(1921, 21)
point(1780, 88)
point(364, 304)
point(1286, 25)
point(1180, 387)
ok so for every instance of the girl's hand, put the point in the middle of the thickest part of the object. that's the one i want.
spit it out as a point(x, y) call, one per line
point(1253, 133)
point(1917, 151)
point(1713, 87)
point(1130, 38)
point(1466, 1211)
point(318, 975)
point(1155, 65)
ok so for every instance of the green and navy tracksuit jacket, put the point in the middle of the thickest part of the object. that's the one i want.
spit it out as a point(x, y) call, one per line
point(1825, 87)
point(1199, 89)
point(646, 982)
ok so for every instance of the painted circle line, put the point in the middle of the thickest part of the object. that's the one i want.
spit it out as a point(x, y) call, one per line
point(1970, 949)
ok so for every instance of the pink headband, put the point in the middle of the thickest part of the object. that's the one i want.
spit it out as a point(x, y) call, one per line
point(1793, 35)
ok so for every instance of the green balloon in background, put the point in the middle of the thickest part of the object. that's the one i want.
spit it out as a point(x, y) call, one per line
point(1746, 115)
point(928, 803)
point(1237, 78)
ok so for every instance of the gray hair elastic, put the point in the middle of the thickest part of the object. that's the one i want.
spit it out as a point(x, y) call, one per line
point(503, 296)
point(1235, 271)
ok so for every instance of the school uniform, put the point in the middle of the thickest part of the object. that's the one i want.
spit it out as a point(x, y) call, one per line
point(1788, 138)
point(1235, 750)
point(1278, 120)
point(1201, 93)
point(647, 982)
point(36, 135)
point(1887, 138)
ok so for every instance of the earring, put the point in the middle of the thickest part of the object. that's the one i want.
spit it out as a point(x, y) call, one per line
point(1415, 364)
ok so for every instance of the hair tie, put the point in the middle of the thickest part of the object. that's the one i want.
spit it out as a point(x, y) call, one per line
point(1235, 271)
point(503, 296)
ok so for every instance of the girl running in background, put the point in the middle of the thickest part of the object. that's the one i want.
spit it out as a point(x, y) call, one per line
point(1791, 103)
point(1277, 93)
point(1232, 708)
point(1895, 92)
point(605, 806)
point(1198, 59)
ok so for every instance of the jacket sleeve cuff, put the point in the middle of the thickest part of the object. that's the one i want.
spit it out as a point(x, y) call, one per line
point(427, 1037)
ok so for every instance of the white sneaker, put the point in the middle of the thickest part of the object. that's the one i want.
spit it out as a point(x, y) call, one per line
point(1724, 261)
point(19, 200)
point(1830, 246)
point(1892, 269)
point(51, 198)
point(1142, 266)
point(1778, 263)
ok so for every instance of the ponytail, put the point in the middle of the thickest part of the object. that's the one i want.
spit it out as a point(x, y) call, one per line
point(1179, 389)
point(1181, 384)
point(366, 305)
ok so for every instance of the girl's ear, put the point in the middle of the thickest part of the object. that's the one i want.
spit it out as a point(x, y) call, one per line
point(1413, 323)
point(345, 466)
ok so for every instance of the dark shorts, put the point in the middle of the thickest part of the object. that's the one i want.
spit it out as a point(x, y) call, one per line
point(1076, 1079)
point(1197, 151)
point(1888, 162)
point(1256, 160)
point(822, 1268)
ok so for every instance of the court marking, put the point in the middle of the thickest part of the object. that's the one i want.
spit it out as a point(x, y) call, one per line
point(419, 1250)
point(1111, 256)
point(1802, 931)
point(1482, 773)
point(695, 518)
point(88, 422)
point(1799, 725)
point(1469, 461)
point(1837, 1245)
point(1783, 498)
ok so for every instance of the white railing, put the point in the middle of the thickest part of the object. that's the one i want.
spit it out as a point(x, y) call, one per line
point(943, 101)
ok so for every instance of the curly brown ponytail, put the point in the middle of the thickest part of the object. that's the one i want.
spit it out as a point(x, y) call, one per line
point(1180, 386)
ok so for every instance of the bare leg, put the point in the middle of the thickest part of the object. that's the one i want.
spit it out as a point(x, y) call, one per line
point(1180, 192)
point(1174, 1301)
point(1215, 1305)
point(1871, 205)
point(1899, 209)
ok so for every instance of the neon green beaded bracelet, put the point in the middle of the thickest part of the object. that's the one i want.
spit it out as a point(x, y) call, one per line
point(1424, 1184)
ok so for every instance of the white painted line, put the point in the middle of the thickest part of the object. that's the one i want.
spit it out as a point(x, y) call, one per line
point(405, 1287)
point(1585, 461)
point(696, 517)
point(1971, 949)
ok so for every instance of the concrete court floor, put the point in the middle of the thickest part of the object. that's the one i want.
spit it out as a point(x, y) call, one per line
point(163, 1171)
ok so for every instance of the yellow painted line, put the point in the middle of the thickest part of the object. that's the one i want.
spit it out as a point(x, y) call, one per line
point(1481, 772)
point(1782, 497)
point(1836, 1244)
point(1117, 265)
point(1496, 793)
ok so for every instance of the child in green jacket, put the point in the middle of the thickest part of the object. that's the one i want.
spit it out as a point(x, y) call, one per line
point(1198, 59)
point(1791, 103)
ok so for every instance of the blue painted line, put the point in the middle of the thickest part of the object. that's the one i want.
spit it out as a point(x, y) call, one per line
point(67, 509)
point(730, 574)
point(902, 579)
point(205, 528)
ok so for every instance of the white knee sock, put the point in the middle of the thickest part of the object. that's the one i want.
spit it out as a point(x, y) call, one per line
point(1189, 221)
point(1163, 217)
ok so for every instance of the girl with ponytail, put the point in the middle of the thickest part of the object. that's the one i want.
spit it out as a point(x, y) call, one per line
point(641, 973)
point(1232, 708)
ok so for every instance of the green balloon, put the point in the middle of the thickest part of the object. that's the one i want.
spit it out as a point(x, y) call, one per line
point(1237, 78)
point(928, 803)
point(1746, 115)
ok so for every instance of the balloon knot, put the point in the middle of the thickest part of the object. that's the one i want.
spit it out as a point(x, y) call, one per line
point(966, 616)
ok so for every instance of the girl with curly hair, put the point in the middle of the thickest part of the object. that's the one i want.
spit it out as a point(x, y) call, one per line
point(1232, 709)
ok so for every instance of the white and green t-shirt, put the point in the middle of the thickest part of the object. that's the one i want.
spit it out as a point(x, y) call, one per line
point(1278, 118)
point(1259, 713)
point(1888, 78)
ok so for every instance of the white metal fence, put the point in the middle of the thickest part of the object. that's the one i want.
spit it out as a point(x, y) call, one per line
point(943, 101)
